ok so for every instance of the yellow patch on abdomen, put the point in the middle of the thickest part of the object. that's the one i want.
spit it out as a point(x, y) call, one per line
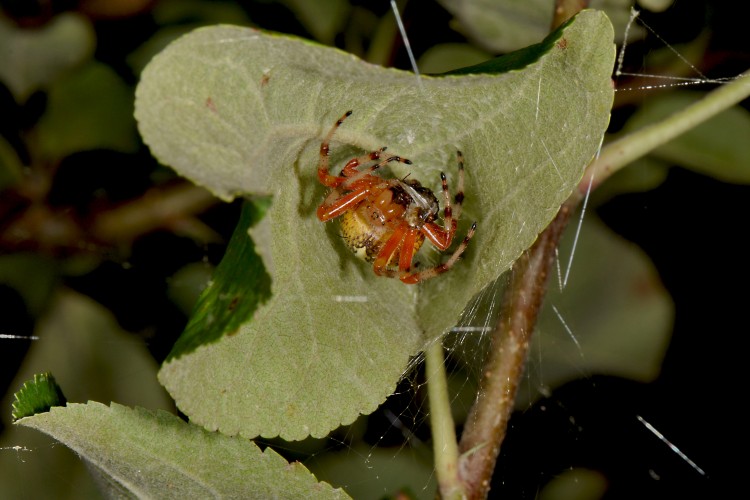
point(365, 234)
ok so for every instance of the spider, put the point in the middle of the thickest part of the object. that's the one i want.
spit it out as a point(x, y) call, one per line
point(385, 221)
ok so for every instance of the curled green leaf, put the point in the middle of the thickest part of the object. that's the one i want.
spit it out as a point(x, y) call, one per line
point(37, 396)
point(239, 285)
point(243, 112)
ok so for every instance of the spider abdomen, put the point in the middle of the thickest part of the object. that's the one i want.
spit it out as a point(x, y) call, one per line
point(365, 230)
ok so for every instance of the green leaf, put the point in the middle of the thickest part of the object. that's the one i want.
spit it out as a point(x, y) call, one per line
point(177, 17)
point(378, 473)
point(239, 285)
point(15, 270)
point(37, 396)
point(612, 316)
point(644, 174)
point(155, 454)
point(89, 109)
point(240, 111)
point(625, 326)
point(32, 59)
point(194, 12)
point(92, 358)
point(502, 26)
point(609, 314)
point(323, 19)
point(10, 165)
point(717, 147)
point(187, 284)
point(578, 483)
point(656, 5)
point(506, 25)
point(450, 56)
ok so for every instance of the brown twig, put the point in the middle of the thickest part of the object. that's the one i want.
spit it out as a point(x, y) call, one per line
point(488, 419)
point(171, 207)
point(29, 223)
point(486, 425)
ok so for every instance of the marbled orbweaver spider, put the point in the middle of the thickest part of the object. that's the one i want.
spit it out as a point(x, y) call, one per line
point(385, 221)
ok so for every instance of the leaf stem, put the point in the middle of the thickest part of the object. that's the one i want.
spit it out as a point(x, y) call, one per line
point(621, 152)
point(445, 447)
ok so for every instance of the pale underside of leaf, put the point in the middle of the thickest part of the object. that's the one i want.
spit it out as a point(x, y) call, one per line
point(156, 455)
point(242, 112)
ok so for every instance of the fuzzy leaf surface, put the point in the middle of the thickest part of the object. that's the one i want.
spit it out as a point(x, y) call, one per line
point(243, 112)
point(147, 454)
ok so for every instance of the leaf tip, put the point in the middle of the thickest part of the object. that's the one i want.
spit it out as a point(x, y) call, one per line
point(37, 396)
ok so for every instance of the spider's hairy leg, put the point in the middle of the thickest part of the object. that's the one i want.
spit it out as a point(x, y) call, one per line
point(336, 204)
point(438, 236)
point(350, 168)
point(442, 238)
point(407, 251)
point(323, 165)
point(350, 181)
point(413, 278)
point(459, 197)
point(449, 222)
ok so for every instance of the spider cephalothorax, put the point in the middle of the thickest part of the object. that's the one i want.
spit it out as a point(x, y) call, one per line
point(385, 221)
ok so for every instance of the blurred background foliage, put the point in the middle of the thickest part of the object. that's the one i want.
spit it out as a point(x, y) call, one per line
point(103, 251)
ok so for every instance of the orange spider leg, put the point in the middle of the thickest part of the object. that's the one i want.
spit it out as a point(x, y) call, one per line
point(411, 279)
point(337, 202)
point(359, 174)
point(350, 168)
point(323, 166)
point(450, 223)
point(443, 237)
point(407, 252)
point(349, 174)
point(437, 235)
point(390, 247)
point(328, 211)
